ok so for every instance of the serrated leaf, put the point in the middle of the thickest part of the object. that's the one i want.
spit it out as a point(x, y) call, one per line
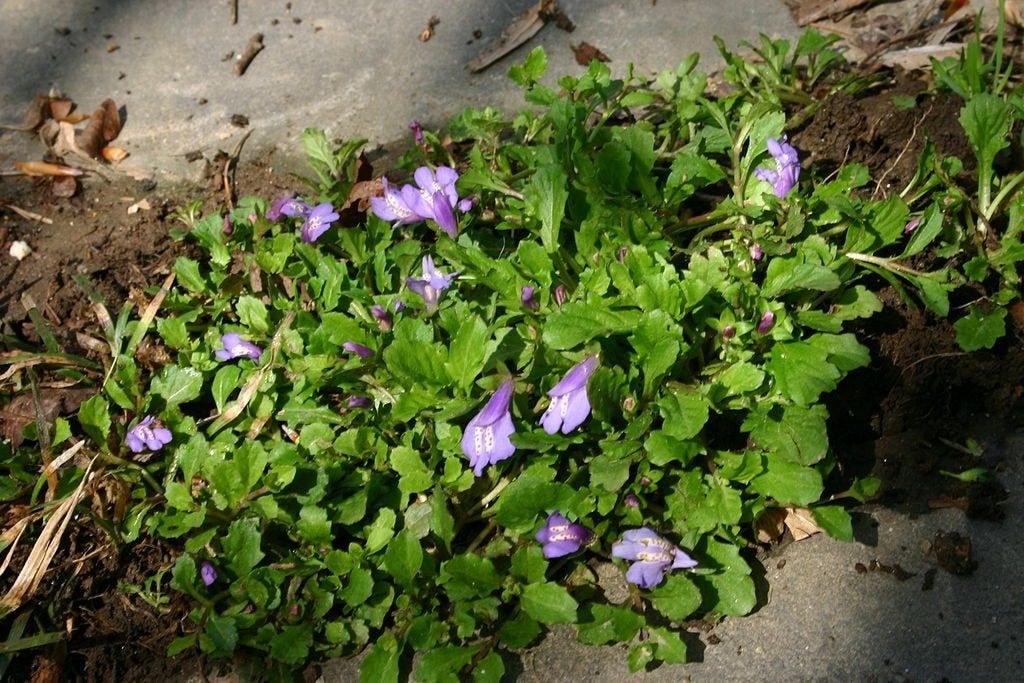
point(404, 557)
point(177, 385)
point(546, 195)
point(684, 415)
point(577, 323)
point(381, 664)
point(835, 521)
point(223, 633)
point(797, 433)
point(980, 330)
point(802, 371)
point(549, 603)
point(788, 482)
point(608, 624)
point(677, 598)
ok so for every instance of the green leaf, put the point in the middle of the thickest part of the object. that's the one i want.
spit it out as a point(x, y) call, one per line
point(528, 564)
point(802, 371)
point(359, 587)
point(608, 624)
point(443, 664)
point(469, 576)
point(532, 69)
point(179, 496)
point(415, 477)
point(741, 377)
point(183, 575)
point(684, 415)
point(980, 330)
point(490, 669)
point(677, 598)
point(545, 196)
point(242, 546)
point(223, 633)
point(576, 323)
point(381, 664)
point(188, 274)
point(528, 496)
point(224, 383)
point(669, 646)
point(785, 275)
point(797, 433)
point(94, 417)
point(177, 385)
point(925, 232)
point(469, 350)
point(519, 632)
point(313, 525)
point(403, 557)
point(381, 531)
point(252, 313)
point(549, 603)
point(609, 472)
point(835, 521)
point(985, 119)
point(292, 644)
point(787, 482)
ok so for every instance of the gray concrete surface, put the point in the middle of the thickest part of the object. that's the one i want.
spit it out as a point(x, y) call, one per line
point(354, 67)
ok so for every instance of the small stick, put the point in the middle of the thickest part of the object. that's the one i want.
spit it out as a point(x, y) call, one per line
point(251, 50)
point(30, 215)
point(230, 165)
point(234, 12)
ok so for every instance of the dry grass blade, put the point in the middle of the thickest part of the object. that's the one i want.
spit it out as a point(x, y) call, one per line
point(43, 432)
point(29, 215)
point(150, 313)
point(815, 10)
point(31, 574)
point(11, 537)
point(61, 459)
point(230, 165)
point(43, 168)
point(252, 386)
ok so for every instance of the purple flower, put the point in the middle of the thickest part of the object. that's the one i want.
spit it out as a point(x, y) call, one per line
point(399, 305)
point(432, 285)
point(287, 206)
point(150, 433)
point(397, 205)
point(318, 220)
point(651, 555)
point(208, 573)
point(358, 349)
point(561, 537)
point(528, 299)
point(466, 205)
point(228, 227)
point(486, 438)
point(787, 170)
point(728, 332)
point(623, 252)
point(417, 131)
point(384, 319)
point(756, 252)
point(439, 197)
point(569, 402)
point(766, 322)
point(236, 347)
point(359, 402)
point(909, 227)
point(631, 501)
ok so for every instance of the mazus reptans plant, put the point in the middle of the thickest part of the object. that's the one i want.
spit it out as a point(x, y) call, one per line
point(432, 285)
point(560, 537)
point(784, 176)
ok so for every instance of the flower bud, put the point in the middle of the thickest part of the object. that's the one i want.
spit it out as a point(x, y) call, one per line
point(756, 252)
point(528, 298)
point(561, 295)
point(766, 322)
point(631, 501)
point(417, 131)
point(728, 332)
point(384, 319)
point(228, 226)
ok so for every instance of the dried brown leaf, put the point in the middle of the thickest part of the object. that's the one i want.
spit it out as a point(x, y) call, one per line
point(61, 108)
point(111, 120)
point(585, 53)
point(428, 30)
point(43, 168)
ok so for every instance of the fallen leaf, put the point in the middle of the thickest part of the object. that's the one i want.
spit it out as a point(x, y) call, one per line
point(428, 31)
point(524, 27)
point(60, 108)
point(54, 402)
point(114, 154)
point(64, 187)
point(113, 47)
point(357, 203)
point(141, 205)
point(774, 521)
point(104, 126)
point(800, 523)
point(43, 168)
point(586, 53)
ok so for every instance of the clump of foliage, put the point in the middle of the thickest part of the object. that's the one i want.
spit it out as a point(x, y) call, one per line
point(316, 480)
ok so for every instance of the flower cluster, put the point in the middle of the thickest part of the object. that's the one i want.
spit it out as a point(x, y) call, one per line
point(433, 197)
point(486, 439)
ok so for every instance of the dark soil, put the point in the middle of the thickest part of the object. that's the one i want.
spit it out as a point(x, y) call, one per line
point(115, 635)
point(873, 131)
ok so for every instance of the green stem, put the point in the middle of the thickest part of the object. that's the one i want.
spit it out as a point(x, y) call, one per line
point(888, 264)
point(1004, 194)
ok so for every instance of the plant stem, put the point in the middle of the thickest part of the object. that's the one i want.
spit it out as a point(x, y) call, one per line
point(888, 264)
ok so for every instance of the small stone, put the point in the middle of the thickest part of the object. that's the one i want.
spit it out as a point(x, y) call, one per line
point(20, 249)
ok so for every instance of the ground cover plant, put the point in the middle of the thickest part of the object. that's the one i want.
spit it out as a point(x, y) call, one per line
point(423, 418)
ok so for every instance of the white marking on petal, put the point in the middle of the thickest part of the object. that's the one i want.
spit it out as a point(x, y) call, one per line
point(489, 439)
point(563, 404)
point(478, 436)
